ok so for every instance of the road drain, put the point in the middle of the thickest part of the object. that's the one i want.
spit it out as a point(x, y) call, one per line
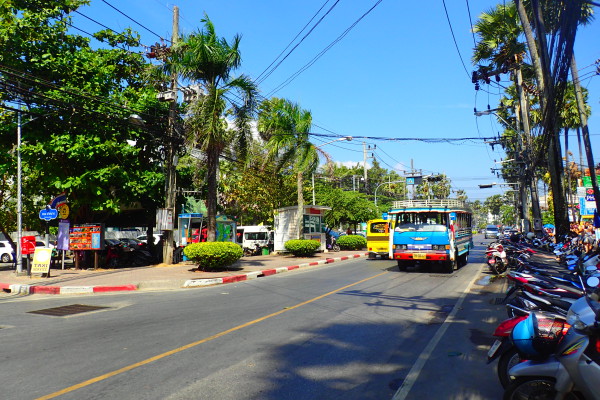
point(67, 310)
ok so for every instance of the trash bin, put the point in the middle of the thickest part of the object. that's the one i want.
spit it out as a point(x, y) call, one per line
point(265, 251)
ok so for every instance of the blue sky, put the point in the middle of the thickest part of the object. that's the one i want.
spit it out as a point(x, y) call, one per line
point(396, 74)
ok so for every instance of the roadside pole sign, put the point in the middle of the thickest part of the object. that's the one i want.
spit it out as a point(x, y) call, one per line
point(48, 214)
point(41, 261)
point(27, 245)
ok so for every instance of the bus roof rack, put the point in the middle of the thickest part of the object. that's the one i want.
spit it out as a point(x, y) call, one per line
point(432, 203)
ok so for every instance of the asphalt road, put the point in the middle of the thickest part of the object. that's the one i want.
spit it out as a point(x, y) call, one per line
point(355, 330)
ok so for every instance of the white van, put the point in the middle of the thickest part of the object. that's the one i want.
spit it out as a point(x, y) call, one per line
point(251, 235)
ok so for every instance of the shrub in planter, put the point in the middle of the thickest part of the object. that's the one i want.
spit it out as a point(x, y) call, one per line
point(213, 255)
point(352, 242)
point(302, 247)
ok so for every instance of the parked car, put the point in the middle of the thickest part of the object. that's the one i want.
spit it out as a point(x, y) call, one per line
point(491, 232)
point(144, 238)
point(41, 244)
point(132, 243)
point(6, 251)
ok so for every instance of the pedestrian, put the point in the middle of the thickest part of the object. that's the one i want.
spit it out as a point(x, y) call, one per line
point(349, 231)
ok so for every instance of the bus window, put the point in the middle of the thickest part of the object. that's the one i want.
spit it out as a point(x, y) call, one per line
point(379, 227)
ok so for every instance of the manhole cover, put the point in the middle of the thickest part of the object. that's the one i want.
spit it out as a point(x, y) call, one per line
point(67, 310)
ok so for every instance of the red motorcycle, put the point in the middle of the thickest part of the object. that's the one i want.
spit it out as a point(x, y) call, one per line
point(496, 258)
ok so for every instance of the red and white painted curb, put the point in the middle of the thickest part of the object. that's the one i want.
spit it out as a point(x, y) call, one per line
point(18, 288)
point(260, 274)
point(35, 289)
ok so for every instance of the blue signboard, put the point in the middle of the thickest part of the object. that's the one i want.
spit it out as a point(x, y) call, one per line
point(410, 181)
point(48, 214)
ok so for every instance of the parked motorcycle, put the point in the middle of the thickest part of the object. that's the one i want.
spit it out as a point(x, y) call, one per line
point(496, 258)
point(504, 350)
point(331, 244)
point(256, 251)
point(559, 366)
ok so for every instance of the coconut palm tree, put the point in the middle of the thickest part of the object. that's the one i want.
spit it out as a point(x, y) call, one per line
point(208, 60)
point(285, 127)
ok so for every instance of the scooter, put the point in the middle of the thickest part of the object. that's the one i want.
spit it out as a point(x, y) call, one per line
point(331, 244)
point(257, 251)
point(559, 366)
point(496, 258)
point(504, 350)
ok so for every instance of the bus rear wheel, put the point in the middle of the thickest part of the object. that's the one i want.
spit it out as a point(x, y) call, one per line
point(449, 266)
point(463, 260)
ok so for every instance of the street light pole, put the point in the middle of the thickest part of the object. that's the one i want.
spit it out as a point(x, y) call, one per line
point(348, 138)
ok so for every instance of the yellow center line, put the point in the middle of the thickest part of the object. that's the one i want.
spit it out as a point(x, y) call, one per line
point(194, 344)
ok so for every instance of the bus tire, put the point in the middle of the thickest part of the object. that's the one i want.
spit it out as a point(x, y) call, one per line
point(463, 260)
point(449, 266)
point(402, 265)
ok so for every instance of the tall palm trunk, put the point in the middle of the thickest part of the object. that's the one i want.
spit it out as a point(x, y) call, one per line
point(212, 166)
point(300, 221)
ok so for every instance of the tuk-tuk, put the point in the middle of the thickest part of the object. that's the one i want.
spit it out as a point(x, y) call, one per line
point(378, 238)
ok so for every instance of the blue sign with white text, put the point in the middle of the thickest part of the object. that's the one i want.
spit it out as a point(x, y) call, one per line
point(48, 214)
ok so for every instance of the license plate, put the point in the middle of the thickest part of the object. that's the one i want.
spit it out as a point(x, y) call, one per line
point(494, 348)
point(419, 256)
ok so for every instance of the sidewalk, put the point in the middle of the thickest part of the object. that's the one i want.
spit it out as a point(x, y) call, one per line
point(162, 276)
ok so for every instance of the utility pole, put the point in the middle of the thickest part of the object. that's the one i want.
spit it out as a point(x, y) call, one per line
point(365, 165)
point(586, 133)
point(170, 173)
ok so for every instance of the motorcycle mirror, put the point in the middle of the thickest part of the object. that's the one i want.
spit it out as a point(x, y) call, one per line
point(593, 281)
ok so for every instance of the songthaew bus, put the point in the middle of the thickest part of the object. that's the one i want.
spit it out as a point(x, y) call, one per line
point(431, 232)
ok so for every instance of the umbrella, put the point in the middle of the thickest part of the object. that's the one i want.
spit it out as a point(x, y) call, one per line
point(549, 226)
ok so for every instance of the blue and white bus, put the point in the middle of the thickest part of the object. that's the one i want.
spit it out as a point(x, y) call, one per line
point(430, 232)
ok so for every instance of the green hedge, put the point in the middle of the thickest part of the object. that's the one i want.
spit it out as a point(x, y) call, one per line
point(352, 242)
point(302, 247)
point(213, 255)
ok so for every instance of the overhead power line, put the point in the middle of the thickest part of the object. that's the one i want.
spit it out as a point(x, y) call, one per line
point(259, 79)
point(131, 19)
point(325, 50)
point(454, 38)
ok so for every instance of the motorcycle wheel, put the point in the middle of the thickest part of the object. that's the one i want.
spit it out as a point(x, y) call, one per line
point(530, 388)
point(507, 360)
point(335, 247)
point(498, 267)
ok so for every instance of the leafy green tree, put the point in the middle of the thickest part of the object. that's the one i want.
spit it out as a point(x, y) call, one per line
point(493, 204)
point(75, 101)
point(507, 214)
point(285, 126)
point(251, 192)
point(205, 58)
point(436, 187)
point(347, 208)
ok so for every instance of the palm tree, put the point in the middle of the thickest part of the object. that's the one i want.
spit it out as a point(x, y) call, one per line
point(208, 60)
point(285, 127)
